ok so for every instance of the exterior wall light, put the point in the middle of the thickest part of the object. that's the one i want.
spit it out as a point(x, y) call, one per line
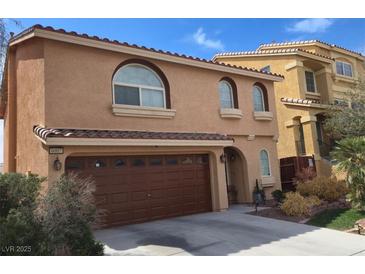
point(57, 165)
point(223, 158)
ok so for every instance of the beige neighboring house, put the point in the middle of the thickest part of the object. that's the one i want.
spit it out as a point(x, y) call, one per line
point(162, 134)
point(317, 74)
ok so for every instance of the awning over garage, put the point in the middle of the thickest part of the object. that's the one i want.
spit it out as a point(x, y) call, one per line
point(97, 137)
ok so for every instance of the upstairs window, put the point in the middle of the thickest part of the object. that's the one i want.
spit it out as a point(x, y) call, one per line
point(226, 94)
point(138, 85)
point(258, 99)
point(343, 68)
point(264, 163)
point(266, 69)
point(310, 81)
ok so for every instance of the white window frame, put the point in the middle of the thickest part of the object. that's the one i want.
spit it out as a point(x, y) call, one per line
point(231, 93)
point(262, 98)
point(315, 82)
point(268, 159)
point(343, 69)
point(140, 87)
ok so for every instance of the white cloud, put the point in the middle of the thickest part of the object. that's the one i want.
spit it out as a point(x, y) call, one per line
point(313, 25)
point(200, 38)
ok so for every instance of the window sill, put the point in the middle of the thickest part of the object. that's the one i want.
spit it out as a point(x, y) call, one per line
point(343, 78)
point(313, 94)
point(263, 115)
point(267, 181)
point(231, 113)
point(143, 112)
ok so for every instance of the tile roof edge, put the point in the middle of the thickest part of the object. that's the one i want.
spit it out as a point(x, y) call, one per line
point(125, 44)
point(305, 42)
point(269, 51)
point(43, 132)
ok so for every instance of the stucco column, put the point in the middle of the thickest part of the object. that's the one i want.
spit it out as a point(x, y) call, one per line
point(310, 136)
point(218, 180)
point(293, 136)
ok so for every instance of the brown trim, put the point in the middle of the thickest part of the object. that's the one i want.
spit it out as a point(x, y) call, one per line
point(155, 69)
point(264, 93)
point(234, 90)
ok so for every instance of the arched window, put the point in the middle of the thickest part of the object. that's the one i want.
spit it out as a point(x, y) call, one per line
point(226, 94)
point(264, 163)
point(258, 99)
point(138, 85)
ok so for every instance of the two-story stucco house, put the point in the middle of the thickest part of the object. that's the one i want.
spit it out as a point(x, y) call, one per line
point(317, 75)
point(162, 134)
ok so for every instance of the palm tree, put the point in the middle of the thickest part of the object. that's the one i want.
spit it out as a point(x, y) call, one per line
point(350, 155)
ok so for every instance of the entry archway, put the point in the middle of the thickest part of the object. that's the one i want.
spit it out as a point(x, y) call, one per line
point(236, 176)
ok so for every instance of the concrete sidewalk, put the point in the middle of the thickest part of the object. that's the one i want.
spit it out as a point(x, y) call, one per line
point(228, 233)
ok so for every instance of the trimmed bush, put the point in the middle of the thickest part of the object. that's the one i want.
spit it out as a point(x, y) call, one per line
point(296, 205)
point(278, 196)
point(328, 189)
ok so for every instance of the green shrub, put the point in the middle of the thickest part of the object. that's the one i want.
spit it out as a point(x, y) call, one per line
point(57, 224)
point(278, 196)
point(297, 205)
point(20, 229)
point(18, 190)
point(328, 189)
point(68, 211)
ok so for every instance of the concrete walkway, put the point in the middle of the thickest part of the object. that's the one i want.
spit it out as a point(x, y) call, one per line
point(228, 233)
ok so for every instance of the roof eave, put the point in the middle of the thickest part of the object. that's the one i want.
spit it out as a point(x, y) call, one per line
point(128, 49)
point(300, 53)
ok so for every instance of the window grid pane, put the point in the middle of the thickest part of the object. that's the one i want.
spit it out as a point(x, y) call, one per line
point(225, 93)
point(126, 95)
point(152, 98)
point(264, 159)
point(258, 100)
point(137, 75)
point(309, 78)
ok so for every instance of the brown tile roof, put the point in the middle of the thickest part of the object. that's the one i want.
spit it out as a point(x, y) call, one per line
point(299, 101)
point(307, 42)
point(45, 133)
point(271, 51)
point(115, 42)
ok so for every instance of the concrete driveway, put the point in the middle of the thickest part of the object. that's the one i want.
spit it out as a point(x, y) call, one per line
point(228, 233)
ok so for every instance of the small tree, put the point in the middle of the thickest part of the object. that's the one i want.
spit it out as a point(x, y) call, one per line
point(346, 121)
point(68, 211)
point(350, 155)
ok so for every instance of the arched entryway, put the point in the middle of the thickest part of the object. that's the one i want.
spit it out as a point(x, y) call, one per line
point(236, 176)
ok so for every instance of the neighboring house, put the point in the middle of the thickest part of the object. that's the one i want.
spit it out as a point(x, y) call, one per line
point(317, 75)
point(162, 134)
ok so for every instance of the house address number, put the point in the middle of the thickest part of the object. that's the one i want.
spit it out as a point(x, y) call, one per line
point(56, 150)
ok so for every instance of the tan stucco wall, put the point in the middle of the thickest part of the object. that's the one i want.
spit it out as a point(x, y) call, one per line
point(30, 106)
point(79, 75)
point(62, 85)
point(328, 85)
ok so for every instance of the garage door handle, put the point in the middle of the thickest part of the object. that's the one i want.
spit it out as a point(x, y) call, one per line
point(149, 195)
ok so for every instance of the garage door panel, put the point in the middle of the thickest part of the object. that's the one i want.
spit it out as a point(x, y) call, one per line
point(119, 197)
point(142, 188)
point(139, 195)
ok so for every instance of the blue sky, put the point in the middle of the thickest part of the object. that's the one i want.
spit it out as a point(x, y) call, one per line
point(205, 37)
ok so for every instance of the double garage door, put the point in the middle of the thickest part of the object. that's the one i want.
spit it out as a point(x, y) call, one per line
point(135, 189)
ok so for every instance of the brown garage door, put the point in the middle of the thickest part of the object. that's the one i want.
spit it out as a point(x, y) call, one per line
point(142, 188)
